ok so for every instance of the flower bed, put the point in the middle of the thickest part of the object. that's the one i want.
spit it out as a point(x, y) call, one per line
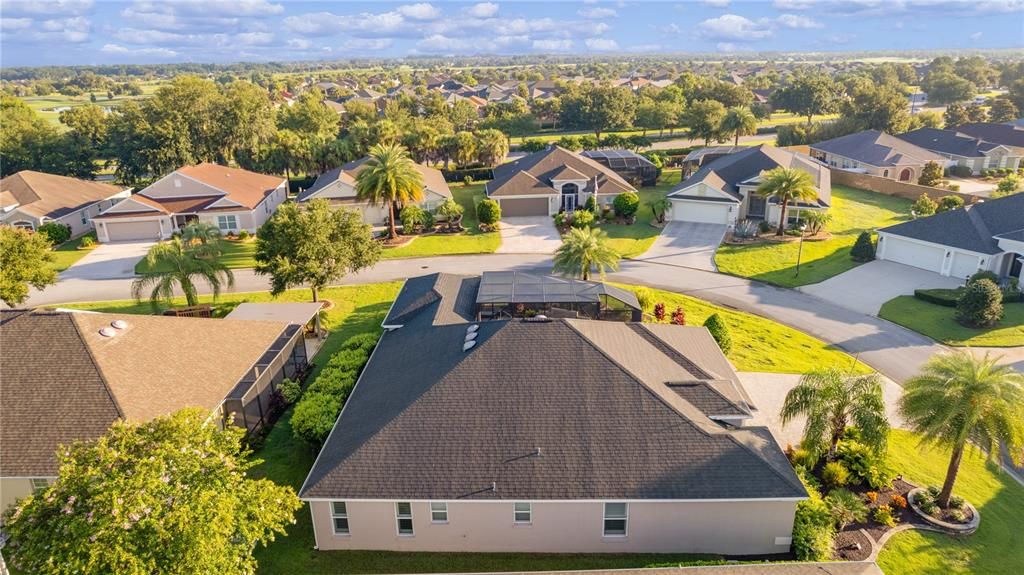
point(961, 517)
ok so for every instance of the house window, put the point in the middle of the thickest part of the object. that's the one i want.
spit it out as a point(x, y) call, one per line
point(39, 485)
point(885, 173)
point(439, 512)
point(227, 223)
point(85, 217)
point(23, 225)
point(403, 514)
point(615, 517)
point(339, 515)
point(523, 513)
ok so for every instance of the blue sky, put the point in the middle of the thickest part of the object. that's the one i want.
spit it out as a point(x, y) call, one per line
point(46, 32)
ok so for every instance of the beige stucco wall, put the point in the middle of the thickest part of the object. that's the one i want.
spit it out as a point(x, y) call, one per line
point(893, 173)
point(72, 220)
point(374, 215)
point(11, 490)
point(740, 527)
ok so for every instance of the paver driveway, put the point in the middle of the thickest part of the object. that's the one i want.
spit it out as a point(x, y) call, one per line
point(108, 261)
point(865, 288)
point(686, 244)
point(529, 235)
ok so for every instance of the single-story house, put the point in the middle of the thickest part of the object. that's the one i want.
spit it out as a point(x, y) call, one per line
point(553, 180)
point(696, 159)
point(987, 235)
point(68, 375)
point(725, 190)
point(230, 198)
point(630, 165)
point(547, 435)
point(339, 187)
point(30, 199)
point(876, 153)
point(1009, 134)
point(964, 150)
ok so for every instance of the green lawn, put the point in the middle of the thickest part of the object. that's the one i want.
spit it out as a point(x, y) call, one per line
point(471, 241)
point(997, 548)
point(67, 254)
point(853, 211)
point(631, 241)
point(236, 255)
point(938, 323)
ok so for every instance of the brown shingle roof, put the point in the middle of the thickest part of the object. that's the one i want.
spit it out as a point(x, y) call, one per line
point(242, 186)
point(52, 196)
point(542, 166)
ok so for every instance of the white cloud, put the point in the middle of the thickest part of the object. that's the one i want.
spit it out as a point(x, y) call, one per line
point(798, 22)
point(729, 27)
point(602, 44)
point(793, 4)
point(670, 29)
point(597, 13)
point(123, 51)
point(299, 44)
point(62, 8)
point(976, 36)
point(420, 11)
point(840, 38)
point(366, 25)
point(726, 47)
point(254, 38)
point(15, 23)
point(482, 10)
point(717, 3)
point(371, 44)
point(645, 48)
point(552, 45)
point(190, 16)
point(444, 44)
point(888, 7)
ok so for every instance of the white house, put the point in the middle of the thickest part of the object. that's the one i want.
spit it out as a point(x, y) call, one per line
point(30, 199)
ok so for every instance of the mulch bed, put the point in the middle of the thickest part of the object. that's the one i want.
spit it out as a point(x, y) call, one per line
point(852, 545)
point(397, 242)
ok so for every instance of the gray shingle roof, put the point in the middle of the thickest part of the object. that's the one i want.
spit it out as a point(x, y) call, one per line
point(969, 228)
point(532, 174)
point(877, 149)
point(948, 142)
point(1005, 134)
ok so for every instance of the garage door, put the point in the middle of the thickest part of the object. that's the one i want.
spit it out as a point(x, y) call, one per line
point(913, 254)
point(123, 231)
point(706, 213)
point(964, 265)
point(524, 207)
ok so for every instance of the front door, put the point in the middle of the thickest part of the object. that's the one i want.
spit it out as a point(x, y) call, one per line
point(182, 220)
point(570, 197)
point(756, 206)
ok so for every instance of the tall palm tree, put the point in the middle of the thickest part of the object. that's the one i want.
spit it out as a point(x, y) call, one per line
point(202, 237)
point(959, 397)
point(583, 250)
point(387, 178)
point(174, 264)
point(739, 121)
point(787, 185)
point(832, 399)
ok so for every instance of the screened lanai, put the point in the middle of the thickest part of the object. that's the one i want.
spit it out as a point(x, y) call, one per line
point(511, 294)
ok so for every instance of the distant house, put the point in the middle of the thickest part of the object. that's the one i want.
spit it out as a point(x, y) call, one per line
point(339, 186)
point(30, 199)
point(987, 235)
point(964, 150)
point(68, 376)
point(551, 181)
point(547, 435)
point(724, 191)
point(697, 158)
point(1010, 134)
point(633, 167)
point(230, 198)
point(876, 153)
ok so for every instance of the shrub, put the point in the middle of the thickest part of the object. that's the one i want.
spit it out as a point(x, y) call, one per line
point(958, 515)
point(961, 171)
point(591, 204)
point(810, 482)
point(872, 497)
point(348, 360)
point(1008, 185)
point(54, 232)
point(835, 474)
point(864, 249)
point(957, 502)
point(764, 226)
point(816, 221)
point(560, 219)
point(362, 341)
point(314, 417)
point(412, 218)
point(582, 219)
point(659, 311)
point(335, 382)
point(898, 501)
point(290, 391)
point(488, 212)
point(813, 530)
point(746, 229)
point(884, 515)
point(947, 203)
point(983, 275)
point(845, 507)
point(644, 296)
point(626, 204)
point(244, 235)
point(87, 242)
point(865, 465)
point(803, 457)
point(931, 175)
point(467, 181)
point(679, 316)
point(933, 491)
point(953, 187)
point(924, 206)
point(533, 145)
point(719, 331)
point(981, 305)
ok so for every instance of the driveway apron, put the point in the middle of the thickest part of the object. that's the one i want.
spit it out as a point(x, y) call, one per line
point(686, 244)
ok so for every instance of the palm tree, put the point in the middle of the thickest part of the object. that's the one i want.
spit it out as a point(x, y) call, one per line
point(959, 397)
point(658, 208)
point(387, 178)
point(174, 264)
point(787, 185)
point(833, 399)
point(202, 237)
point(583, 250)
point(739, 121)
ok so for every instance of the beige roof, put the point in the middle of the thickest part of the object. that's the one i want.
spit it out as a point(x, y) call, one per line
point(160, 364)
point(242, 186)
point(548, 164)
point(52, 196)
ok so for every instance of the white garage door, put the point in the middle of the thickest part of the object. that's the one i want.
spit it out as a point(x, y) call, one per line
point(124, 231)
point(913, 254)
point(964, 265)
point(701, 212)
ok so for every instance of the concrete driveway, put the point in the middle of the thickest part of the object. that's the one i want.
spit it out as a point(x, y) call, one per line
point(686, 244)
point(529, 235)
point(108, 261)
point(865, 288)
point(974, 186)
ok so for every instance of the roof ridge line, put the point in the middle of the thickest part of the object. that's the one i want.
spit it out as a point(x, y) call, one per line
point(99, 368)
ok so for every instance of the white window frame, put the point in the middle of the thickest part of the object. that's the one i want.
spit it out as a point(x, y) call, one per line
point(437, 508)
point(85, 217)
point(624, 518)
point(335, 515)
point(39, 484)
point(227, 218)
point(516, 512)
point(399, 517)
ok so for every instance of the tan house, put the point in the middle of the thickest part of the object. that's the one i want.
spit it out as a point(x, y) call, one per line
point(963, 150)
point(339, 187)
point(876, 153)
point(546, 435)
point(553, 180)
point(68, 376)
point(230, 198)
point(30, 199)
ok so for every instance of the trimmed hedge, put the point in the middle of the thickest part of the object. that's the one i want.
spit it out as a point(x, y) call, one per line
point(478, 174)
point(949, 297)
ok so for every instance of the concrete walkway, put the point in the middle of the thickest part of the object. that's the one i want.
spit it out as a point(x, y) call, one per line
point(866, 287)
point(529, 235)
point(686, 244)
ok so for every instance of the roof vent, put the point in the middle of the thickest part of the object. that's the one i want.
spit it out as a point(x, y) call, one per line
point(473, 327)
point(471, 336)
point(177, 182)
point(119, 324)
point(468, 345)
point(108, 332)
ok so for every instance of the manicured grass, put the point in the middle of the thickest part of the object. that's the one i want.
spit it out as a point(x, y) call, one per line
point(471, 241)
point(67, 254)
point(633, 240)
point(998, 545)
point(235, 255)
point(853, 211)
point(759, 344)
point(938, 323)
